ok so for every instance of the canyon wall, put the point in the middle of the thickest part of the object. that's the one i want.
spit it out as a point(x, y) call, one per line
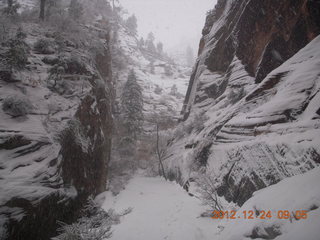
point(251, 114)
point(55, 155)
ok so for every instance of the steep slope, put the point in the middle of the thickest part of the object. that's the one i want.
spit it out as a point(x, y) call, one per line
point(156, 74)
point(54, 156)
point(245, 124)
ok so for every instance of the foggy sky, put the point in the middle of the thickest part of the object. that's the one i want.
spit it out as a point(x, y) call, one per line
point(177, 23)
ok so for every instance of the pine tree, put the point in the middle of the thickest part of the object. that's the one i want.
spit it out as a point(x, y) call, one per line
point(168, 70)
point(18, 51)
point(174, 90)
point(190, 56)
point(141, 42)
point(132, 106)
point(160, 48)
point(150, 43)
point(12, 8)
point(152, 68)
point(54, 8)
point(132, 25)
point(42, 9)
point(75, 9)
point(150, 37)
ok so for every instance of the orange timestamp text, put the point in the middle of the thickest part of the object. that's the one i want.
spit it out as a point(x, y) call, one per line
point(281, 214)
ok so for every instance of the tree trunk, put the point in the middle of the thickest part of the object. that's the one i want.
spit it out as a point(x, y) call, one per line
point(42, 9)
point(10, 2)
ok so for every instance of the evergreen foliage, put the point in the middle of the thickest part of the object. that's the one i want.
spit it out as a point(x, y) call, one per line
point(190, 58)
point(16, 106)
point(160, 47)
point(43, 46)
point(18, 51)
point(150, 43)
point(168, 70)
point(131, 24)
point(75, 10)
point(235, 95)
point(141, 42)
point(132, 106)
point(174, 90)
point(42, 9)
point(12, 8)
point(152, 68)
point(95, 223)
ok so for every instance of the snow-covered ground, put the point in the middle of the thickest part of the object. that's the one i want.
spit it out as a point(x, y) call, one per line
point(295, 194)
point(163, 210)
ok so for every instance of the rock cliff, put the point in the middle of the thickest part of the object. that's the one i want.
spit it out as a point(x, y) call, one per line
point(251, 114)
point(54, 155)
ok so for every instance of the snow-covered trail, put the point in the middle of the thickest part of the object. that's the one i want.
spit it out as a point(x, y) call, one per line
point(161, 210)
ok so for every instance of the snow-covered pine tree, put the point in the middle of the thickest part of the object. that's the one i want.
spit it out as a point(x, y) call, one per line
point(75, 9)
point(42, 9)
point(190, 58)
point(141, 42)
point(150, 43)
point(174, 90)
point(12, 8)
point(160, 48)
point(132, 106)
point(131, 24)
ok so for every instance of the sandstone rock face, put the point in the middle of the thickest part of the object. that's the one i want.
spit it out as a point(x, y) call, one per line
point(56, 156)
point(255, 89)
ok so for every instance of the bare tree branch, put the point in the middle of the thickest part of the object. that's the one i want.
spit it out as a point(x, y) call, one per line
point(160, 154)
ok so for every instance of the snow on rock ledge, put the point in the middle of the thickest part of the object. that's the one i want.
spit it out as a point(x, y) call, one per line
point(56, 156)
point(250, 132)
point(294, 194)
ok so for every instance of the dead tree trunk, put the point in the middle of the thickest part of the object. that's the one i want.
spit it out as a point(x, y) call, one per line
point(160, 154)
point(42, 9)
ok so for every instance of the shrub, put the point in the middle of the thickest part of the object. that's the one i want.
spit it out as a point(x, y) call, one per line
point(18, 51)
point(43, 46)
point(76, 10)
point(50, 60)
point(208, 191)
point(17, 55)
point(158, 90)
point(61, 42)
point(12, 11)
point(74, 132)
point(16, 106)
point(235, 96)
point(179, 131)
point(5, 28)
point(57, 83)
point(75, 66)
point(94, 224)
point(197, 123)
point(70, 64)
point(174, 90)
point(127, 147)
point(168, 70)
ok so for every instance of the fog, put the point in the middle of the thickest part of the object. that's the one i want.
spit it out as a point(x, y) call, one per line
point(176, 23)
